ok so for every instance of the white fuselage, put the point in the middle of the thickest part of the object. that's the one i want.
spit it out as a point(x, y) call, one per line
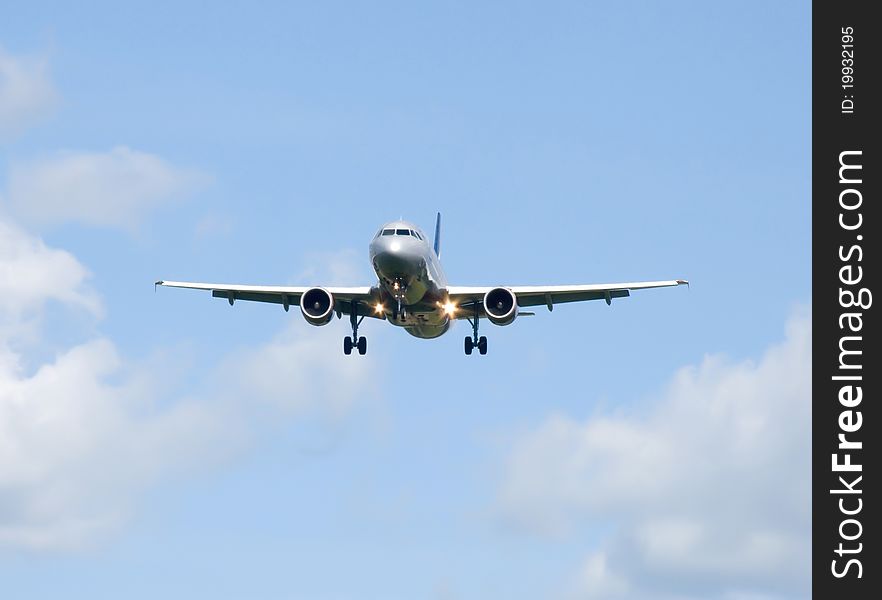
point(412, 286)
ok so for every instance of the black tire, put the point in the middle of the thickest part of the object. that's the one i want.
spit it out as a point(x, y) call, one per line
point(362, 345)
point(347, 346)
point(468, 345)
point(482, 345)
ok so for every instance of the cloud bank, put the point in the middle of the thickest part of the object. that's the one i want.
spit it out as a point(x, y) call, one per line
point(85, 432)
point(705, 496)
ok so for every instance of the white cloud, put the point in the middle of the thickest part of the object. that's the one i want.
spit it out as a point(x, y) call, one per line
point(75, 447)
point(108, 189)
point(32, 274)
point(80, 433)
point(596, 580)
point(84, 433)
point(708, 494)
point(26, 92)
point(300, 370)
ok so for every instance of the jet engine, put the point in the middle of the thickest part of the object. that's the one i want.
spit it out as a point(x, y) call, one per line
point(317, 306)
point(501, 306)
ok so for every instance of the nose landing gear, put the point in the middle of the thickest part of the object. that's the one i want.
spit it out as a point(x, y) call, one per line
point(399, 290)
point(399, 311)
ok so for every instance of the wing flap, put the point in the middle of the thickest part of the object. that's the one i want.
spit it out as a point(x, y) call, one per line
point(277, 294)
point(549, 295)
point(561, 298)
point(272, 297)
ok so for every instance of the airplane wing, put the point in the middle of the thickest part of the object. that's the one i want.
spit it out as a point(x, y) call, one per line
point(549, 295)
point(279, 294)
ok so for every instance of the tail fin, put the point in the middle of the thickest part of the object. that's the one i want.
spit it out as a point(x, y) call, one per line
point(438, 236)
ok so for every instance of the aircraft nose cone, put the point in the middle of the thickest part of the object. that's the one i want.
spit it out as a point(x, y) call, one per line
point(395, 255)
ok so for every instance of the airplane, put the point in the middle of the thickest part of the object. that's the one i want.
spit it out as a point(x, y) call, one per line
point(412, 292)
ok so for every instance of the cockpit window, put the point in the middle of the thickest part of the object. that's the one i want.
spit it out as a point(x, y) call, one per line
point(402, 232)
point(415, 234)
point(388, 232)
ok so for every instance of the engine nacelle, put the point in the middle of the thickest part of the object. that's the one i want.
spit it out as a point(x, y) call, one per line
point(317, 306)
point(501, 306)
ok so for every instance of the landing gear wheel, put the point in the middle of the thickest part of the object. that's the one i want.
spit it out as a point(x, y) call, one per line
point(347, 346)
point(469, 345)
point(362, 345)
point(482, 345)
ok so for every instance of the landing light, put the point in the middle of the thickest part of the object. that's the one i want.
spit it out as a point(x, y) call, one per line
point(379, 308)
point(449, 308)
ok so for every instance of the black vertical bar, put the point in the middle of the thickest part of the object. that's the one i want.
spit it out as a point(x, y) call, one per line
point(845, 227)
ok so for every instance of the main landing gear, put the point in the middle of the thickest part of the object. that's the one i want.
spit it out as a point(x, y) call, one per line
point(471, 342)
point(481, 344)
point(359, 343)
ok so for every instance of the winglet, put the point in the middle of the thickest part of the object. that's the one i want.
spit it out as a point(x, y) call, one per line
point(682, 282)
point(156, 283)
point(438, 235)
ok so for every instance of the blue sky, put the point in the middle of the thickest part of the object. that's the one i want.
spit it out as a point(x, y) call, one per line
point(166, 444)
